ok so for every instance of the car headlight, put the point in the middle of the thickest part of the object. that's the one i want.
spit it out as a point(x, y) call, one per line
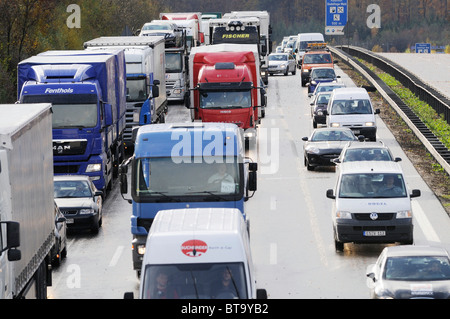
point(140, 249)
point(404, 214)
point(370, 124)
point(93, 168)
point(313, 150)
point(86, 211)
point(335, 124)
point(313, 82)
point(343, 214)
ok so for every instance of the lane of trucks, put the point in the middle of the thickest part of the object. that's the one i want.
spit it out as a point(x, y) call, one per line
point(82, 110)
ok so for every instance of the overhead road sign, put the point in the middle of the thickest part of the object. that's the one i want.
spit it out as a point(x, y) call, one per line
point(336, 16)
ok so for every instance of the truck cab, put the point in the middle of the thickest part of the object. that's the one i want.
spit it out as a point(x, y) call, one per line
point(182, 165)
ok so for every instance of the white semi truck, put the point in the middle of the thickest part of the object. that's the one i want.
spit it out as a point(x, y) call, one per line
point(27, 217)
point(146, 84)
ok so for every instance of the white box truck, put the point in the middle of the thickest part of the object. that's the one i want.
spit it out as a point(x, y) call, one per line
point(146, 84)
point(199, 253)
point(26, 200)
point(303, 39)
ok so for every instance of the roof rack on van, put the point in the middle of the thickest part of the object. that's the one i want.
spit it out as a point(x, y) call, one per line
point(317, 46)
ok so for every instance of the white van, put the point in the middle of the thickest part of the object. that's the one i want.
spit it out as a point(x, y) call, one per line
point(199, 253)
point(302, 44)
point(351, 107)
point(371, 204)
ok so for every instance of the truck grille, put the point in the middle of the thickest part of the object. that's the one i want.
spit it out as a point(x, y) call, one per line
point(381, 216)
point(69, 147)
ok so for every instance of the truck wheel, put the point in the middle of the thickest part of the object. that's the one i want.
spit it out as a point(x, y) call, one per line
point(339, 246)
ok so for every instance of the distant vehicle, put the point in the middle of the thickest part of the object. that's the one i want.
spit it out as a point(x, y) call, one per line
point(281, 63)
point(59, 250)
point(318, 107)
point(324, 145)
point(169, 30)
point(410, 272)
point(366, 151)
point(303, 39)
point(317, 56)
point(320, 75)
point(327, 87)
point(352, 108)
point(79, 201)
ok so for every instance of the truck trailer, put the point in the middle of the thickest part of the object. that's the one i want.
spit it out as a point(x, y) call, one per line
point(225, 85)
point(146, 86)
point(88, 93)
point(27, 219)
point(181, 165)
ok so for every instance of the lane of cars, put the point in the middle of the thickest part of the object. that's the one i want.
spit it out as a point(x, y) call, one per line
point(371, 202)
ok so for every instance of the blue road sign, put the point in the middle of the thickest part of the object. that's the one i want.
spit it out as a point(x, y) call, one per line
point(336, 16)
point(423, 47)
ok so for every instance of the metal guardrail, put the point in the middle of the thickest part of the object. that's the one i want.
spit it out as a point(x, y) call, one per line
point(436, 148)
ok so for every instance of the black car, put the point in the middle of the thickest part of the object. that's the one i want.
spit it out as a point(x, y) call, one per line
point(59, 249)
point(324, 145)
point(318, 106)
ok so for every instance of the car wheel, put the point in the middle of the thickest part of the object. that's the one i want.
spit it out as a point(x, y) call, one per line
point(314, 123)
point(295, 71)
point(308, 167)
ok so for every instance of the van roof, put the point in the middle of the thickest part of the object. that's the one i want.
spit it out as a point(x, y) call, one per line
point(375, 167)
point(218, 232)
point(350, 93)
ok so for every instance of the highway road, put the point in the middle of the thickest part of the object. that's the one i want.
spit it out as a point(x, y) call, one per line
point(290, 218)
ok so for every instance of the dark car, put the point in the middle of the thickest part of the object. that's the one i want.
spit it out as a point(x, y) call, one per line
point(79, 201)
point(321, 75)
point(318, 106)
point(324, 145)
point(59, 249)
point(410, 272)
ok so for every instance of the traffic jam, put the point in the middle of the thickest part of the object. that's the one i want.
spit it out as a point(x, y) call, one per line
point(188, 182)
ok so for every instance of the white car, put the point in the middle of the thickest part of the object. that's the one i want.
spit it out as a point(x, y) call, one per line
point(281, 63)
point(410, 272)
point(79, 201)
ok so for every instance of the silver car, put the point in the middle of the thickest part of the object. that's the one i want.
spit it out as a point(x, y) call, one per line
point(407, 272)
point(281, 63)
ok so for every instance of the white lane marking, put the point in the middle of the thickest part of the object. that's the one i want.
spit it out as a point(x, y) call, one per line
point(423, 222)
point(116, 256)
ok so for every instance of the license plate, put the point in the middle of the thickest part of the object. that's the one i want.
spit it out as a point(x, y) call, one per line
point(69, 220)
point(370, 233)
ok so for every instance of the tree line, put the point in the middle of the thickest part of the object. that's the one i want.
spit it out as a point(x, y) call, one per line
point(28, 27)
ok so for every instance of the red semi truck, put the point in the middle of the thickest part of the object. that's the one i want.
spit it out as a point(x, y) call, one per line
point(225, 85)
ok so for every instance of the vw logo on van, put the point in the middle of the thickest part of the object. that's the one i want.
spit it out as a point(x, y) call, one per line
point(373, 216)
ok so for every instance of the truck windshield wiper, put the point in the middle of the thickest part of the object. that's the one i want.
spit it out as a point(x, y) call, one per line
point(210, 193)
point(164, 195)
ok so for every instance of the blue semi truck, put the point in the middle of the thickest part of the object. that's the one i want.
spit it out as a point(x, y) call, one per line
point(184, 165)
point(88, 94)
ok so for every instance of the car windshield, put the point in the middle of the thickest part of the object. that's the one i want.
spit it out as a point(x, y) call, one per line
point(341, 107)
point(194, 281)
point(372, 186)
point(69, 189)
point(323, 74)
point(278, 57)
point(367, 154)
point(417, 268)
point(157, 27)
point(327, 88)
point(323, 98)
point(317, 58)
point(330, 135)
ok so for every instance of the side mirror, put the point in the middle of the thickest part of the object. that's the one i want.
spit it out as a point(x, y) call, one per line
point(415, 193)
point(377, 111)
point(108, 114)
point(252, 181)
point(155, 91)
point(252, 167)
point(330, 194)
point(305, 138)
point(261, 294)
point(398, 159)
